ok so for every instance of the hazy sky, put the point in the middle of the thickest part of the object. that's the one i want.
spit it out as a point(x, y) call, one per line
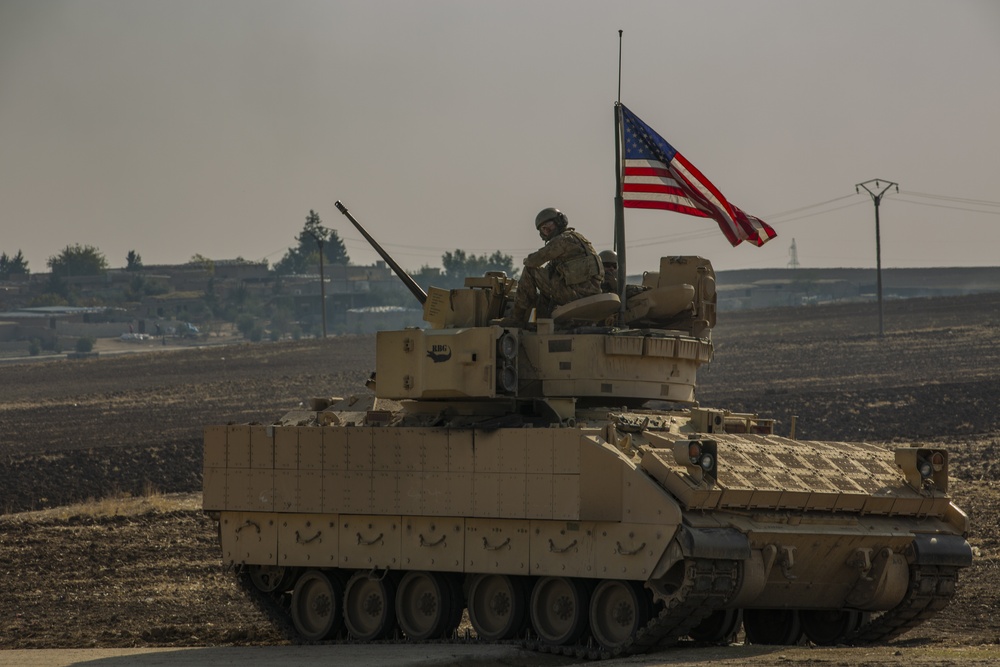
point(178, 127)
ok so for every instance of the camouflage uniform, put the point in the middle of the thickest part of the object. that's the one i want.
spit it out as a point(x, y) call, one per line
point(564, 269)
point(610, 283)
point(609, 259)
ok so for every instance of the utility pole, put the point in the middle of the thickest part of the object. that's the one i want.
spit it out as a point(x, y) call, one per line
point(877, 198)
point(322, 279)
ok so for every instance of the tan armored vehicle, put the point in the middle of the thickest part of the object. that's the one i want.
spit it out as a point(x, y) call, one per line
point(562, 484)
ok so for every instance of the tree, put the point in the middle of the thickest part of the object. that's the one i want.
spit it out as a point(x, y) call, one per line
point(245, 323)
point(211, 299)
point(303, 256)
point(78, 260)
point(136, 289)
point(49, 298)
point(458, 265)
point(203, 262)
point(133, 261)
point(13, 266)
point(334, 249)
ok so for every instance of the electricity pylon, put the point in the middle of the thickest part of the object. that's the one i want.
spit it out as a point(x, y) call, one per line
point(877, 198)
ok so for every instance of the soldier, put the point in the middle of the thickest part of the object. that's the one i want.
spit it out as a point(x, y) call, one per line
point(564, 269)
point(609, 258)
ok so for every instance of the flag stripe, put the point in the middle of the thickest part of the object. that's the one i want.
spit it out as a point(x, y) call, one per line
point(653, 186)
point(647, 168)
point(702, 186)
point(654, 202)
point(711, 199)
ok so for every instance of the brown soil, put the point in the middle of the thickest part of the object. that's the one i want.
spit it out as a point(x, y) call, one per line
point(146, 572)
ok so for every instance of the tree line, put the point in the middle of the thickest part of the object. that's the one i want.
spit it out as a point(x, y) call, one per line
point(87, 260)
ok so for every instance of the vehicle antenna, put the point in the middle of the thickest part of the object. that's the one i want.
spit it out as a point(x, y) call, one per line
point(619, 67)
point(619, 200)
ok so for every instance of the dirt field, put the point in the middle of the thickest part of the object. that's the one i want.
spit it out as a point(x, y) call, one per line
point(146, 572)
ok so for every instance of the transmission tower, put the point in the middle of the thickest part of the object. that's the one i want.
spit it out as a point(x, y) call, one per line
point(793, 263)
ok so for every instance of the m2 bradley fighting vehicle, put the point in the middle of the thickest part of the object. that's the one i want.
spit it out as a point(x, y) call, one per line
point(562, 484)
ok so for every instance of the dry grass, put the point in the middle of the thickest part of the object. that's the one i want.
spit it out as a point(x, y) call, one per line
point(116, 505)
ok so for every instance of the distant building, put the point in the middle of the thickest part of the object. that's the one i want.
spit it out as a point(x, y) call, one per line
point(50, 322)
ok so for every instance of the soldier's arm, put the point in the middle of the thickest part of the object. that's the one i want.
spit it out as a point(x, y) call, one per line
point(550, 251)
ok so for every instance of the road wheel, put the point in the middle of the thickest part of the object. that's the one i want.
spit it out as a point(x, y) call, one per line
point(497, 606)
point(618, 610)
point(271, 578)
point(369, 606)
point(559, 610)
point(316, 603)
point(423, 605)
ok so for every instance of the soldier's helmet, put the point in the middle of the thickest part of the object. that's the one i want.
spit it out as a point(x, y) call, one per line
point(609, 257)
point(553, 214)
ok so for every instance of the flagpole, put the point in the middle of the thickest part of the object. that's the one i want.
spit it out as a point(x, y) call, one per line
point(619, 201)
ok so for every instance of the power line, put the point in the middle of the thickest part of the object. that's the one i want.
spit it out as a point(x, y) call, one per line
point(275, 252)
point(964, 200)
point(956, 208)
point(431, 249)
point(679, 237)
point(661, 239)
point(710, 232)
point(829, 210)
point(434, 252)
point(653, 240)
point(806, 208)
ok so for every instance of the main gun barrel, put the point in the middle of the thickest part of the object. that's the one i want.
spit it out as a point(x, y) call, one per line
point(410, 283)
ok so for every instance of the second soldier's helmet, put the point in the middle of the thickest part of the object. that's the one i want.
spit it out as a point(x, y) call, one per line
point(553, 214)
point(609, 257)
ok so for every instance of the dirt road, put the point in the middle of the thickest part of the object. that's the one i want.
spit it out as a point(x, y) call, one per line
point(494, 656)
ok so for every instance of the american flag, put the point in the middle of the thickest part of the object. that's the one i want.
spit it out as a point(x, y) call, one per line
point(657, 176)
